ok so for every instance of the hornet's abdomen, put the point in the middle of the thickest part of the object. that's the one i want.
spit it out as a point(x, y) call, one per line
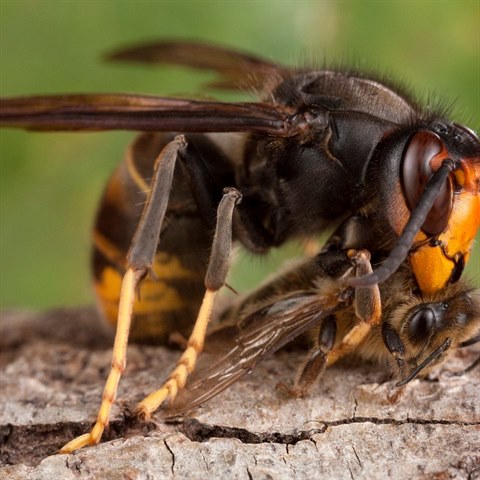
point(169, 299)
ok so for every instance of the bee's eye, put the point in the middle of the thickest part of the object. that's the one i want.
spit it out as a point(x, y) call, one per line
point(422, 158)
point(421, 324)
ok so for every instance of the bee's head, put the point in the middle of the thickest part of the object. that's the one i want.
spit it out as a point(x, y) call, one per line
point(421, 333)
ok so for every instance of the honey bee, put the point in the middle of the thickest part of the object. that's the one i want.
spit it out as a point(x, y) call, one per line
point(321, 149)
point(412, 336)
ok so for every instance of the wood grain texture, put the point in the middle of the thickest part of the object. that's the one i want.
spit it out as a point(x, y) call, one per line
point(53, 366)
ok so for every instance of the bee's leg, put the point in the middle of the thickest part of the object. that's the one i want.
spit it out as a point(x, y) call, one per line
point(140, 259)
point(476, 363)
point(316, 360)
point(395, 346)
point(214, 280)
point(367, 309)
point(468, 369)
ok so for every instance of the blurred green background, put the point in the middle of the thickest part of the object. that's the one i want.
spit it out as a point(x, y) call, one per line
point(50, 183)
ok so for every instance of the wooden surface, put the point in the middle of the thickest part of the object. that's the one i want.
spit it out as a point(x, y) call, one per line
point(53, 367)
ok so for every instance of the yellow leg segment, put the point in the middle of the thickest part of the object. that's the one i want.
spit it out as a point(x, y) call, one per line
point(350, 341)
point(368, 310)
point(185, 365)
point(119, 357)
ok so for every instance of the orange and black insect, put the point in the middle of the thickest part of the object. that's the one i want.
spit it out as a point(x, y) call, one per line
point(322, 148)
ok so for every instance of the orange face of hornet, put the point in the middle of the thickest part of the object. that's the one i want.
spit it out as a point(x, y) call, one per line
point(442, 248)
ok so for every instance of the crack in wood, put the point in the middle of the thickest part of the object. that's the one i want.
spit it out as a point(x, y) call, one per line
point(167, 446)
point(201, 433)
point(18, 440)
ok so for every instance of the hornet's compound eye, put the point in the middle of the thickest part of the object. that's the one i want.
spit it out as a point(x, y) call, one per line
point(423, 156)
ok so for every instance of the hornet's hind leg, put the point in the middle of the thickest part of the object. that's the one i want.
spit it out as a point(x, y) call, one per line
point(140, 260)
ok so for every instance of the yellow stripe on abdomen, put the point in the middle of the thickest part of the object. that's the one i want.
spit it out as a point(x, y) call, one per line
point(168, 302)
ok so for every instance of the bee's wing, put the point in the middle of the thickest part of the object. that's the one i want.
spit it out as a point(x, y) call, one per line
point(236, 69)
point(267, 330)
point(140, 113)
